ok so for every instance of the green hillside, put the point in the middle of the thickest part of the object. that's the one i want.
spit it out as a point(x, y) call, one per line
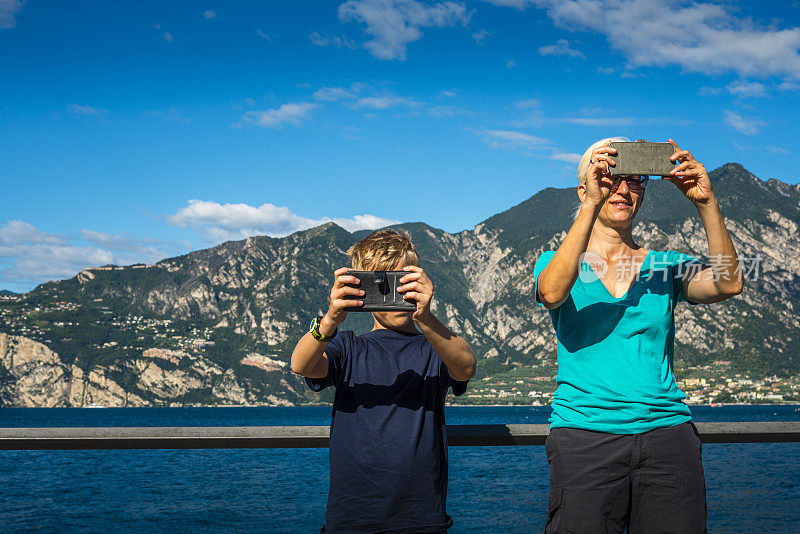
point(256, 296)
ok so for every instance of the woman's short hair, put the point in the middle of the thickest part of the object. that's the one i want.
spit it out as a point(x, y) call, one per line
point(381, 251)
point(583, 166)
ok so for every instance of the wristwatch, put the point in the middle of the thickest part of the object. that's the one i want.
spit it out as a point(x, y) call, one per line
point(316, 333)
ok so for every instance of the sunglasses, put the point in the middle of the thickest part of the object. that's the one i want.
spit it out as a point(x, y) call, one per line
point(635, 183)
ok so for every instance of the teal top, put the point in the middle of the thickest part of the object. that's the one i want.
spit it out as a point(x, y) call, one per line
point(615, 355)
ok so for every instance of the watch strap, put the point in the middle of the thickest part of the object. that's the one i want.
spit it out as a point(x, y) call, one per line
point(319, 336)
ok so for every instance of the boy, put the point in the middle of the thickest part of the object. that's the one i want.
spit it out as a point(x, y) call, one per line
point(388, 446)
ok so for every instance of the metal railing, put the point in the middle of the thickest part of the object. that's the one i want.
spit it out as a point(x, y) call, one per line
point(261, 437)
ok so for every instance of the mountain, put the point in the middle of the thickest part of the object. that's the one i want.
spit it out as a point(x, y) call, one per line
point(6, 293)
point(217, 326)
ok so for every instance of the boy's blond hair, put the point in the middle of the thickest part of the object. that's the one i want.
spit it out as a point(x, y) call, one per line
point(382, 250)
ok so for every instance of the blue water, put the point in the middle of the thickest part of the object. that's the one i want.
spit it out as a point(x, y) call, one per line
point(751, 487)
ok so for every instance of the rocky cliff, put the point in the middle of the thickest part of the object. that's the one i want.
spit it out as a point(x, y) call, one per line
point(217, 326)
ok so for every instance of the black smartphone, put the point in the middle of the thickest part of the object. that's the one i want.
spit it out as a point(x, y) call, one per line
point(380, 292)
point(639, 157)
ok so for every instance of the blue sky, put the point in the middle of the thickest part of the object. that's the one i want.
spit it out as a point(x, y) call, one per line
point(133, 131)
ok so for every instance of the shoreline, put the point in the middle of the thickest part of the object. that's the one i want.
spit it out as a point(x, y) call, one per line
point(96, 407)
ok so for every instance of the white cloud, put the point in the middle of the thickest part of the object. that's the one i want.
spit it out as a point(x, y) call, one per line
point(698, 37)
point(223, 222)
point(560, 49)
point(746, 89)
point(263, 34)
point(599, 121)
point(605, 70)
point(789, 86)
point(510, 64)
point(449, 93)
point(8, 10)
point(480, 36)
point(19, 231)
point(709, 91)
point(742, 124)
point(350, 132)
point(334, 94)
point(519, 4)
point(90, 111)
point(288, 113)
point(364, 96)
point(776, 150)
point(530, 103)
point(511, 140)
point(393, 24)
point(447, 111)
point(29, 256)
point(129, 250)
point(168, 37)
point(569, 157)
point(332, 40)
point(361, 222)
point(209, 14)
point(530, 114)
point(383, 102)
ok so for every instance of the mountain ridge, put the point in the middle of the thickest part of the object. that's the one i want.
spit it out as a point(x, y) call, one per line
point(222, 317)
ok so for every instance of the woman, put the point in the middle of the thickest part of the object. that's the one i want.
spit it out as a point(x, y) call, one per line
point(622, 449)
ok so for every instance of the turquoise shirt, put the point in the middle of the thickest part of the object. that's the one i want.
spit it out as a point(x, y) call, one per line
point(615, 355)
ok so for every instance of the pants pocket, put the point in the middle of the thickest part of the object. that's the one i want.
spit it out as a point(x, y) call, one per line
point(693, 500)
point(548, 446)
point(555, 515)
point(696, 455)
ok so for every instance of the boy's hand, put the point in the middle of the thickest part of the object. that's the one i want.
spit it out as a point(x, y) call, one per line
point(336, 309)
point(417, 286)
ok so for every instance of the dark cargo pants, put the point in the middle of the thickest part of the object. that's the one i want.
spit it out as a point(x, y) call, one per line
point(650, 483)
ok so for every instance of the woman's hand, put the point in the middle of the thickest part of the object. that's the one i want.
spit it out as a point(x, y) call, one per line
point(417, 286)
point(337, 304)
point(598, 175)
point(690, 176)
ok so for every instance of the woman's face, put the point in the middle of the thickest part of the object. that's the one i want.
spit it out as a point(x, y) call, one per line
point(621, 206)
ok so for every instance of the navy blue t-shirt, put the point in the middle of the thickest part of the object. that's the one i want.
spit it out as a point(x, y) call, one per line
point(388, 446)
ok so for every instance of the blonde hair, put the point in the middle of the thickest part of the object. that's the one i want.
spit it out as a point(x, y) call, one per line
point(583, 166)
point(382, 250)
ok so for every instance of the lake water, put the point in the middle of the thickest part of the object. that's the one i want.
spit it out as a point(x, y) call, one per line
point(751, 487)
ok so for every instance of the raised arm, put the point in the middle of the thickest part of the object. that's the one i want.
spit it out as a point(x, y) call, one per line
point(723, 278)
point(309, 358)
point(556, 280)
point(454, 351)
